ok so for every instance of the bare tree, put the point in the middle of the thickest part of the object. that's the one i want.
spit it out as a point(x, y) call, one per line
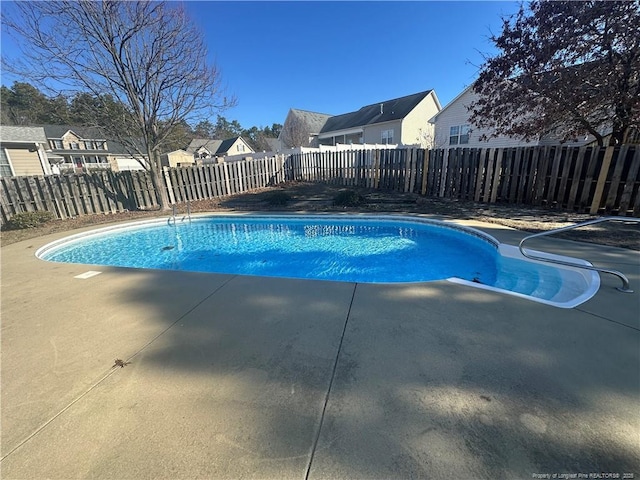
point(428, 139)
point(295, 132)
point(146, 56)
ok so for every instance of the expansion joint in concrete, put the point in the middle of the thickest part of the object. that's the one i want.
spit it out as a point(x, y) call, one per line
point(328, 394)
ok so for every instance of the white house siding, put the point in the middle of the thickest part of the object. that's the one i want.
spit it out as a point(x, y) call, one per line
point(415, 125)
point(25, 162)
point(456, 113)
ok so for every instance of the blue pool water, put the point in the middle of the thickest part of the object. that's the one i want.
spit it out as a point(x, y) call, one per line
point(362, 251)
point(354, 249)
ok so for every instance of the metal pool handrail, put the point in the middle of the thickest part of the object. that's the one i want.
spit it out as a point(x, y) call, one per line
point(173, 213)
point(625, 281)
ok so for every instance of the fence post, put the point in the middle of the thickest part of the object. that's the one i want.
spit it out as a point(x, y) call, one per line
point(602, 178)
point(425, 172)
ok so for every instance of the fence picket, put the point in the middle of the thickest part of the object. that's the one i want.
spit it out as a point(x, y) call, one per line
point(575, 178)
point(602, 178)
point(588, 186)
point(631, 181)
point(615, 179)
point(554, 174)
point(564, 176)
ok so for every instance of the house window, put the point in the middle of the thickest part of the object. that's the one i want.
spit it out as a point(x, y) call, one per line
point(459, 135)
point(387, 136)
point(241, 148)
point(56, 144)
point(75, 146)
point(5, 166)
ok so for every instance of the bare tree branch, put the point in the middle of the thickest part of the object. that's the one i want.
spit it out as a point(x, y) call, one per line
point(146, 56)
point(295, 132)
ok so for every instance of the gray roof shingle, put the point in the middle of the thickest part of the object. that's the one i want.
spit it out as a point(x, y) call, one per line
point(88, 133)
point(314, 120)
point(380, 112)
point(211, 145)
point(9, 133)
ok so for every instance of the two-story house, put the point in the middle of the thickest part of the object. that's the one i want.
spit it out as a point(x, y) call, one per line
point(402, 121)
point(76, 148)
point(83, 149)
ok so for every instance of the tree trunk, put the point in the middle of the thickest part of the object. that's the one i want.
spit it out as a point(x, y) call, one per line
point(157, 179)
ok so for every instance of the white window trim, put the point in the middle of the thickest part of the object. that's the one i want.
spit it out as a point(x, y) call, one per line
point(458, 135)
point(44, 162)
point(6, 154)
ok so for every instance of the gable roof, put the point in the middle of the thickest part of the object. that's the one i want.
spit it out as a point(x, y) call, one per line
point(452, 102)
point(226, 145)
point(211, 145)
point(314, 120)
point(273, 143)
point(394, 109)
point(117, 148)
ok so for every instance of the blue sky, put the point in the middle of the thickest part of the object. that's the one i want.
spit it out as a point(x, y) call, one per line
point(334, 57)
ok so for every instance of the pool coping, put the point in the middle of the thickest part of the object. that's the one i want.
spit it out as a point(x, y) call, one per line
point(591, 278)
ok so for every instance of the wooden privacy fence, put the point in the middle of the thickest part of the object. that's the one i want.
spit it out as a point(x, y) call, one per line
point(219, 180)
point(585, 179)
point(69, 196)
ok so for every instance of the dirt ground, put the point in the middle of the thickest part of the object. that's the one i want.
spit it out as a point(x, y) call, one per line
point(315, 197)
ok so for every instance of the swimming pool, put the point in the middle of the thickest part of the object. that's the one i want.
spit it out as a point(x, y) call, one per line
point(357, 248)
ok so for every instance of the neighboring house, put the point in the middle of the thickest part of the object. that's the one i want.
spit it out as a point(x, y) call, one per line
point(204, 149)
point(177, 158)
point(403, 121)
point(452, 129)
point(121, 158)
point(22, 151)
point(301, 129)
point(76, 148)
point(82, 149)
point(234, 146)
point(274, 144)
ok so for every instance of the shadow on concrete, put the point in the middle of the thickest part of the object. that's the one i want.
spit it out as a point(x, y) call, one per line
point(432, 379)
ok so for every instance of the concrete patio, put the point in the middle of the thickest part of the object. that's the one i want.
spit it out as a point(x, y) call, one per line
point(251, 377)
